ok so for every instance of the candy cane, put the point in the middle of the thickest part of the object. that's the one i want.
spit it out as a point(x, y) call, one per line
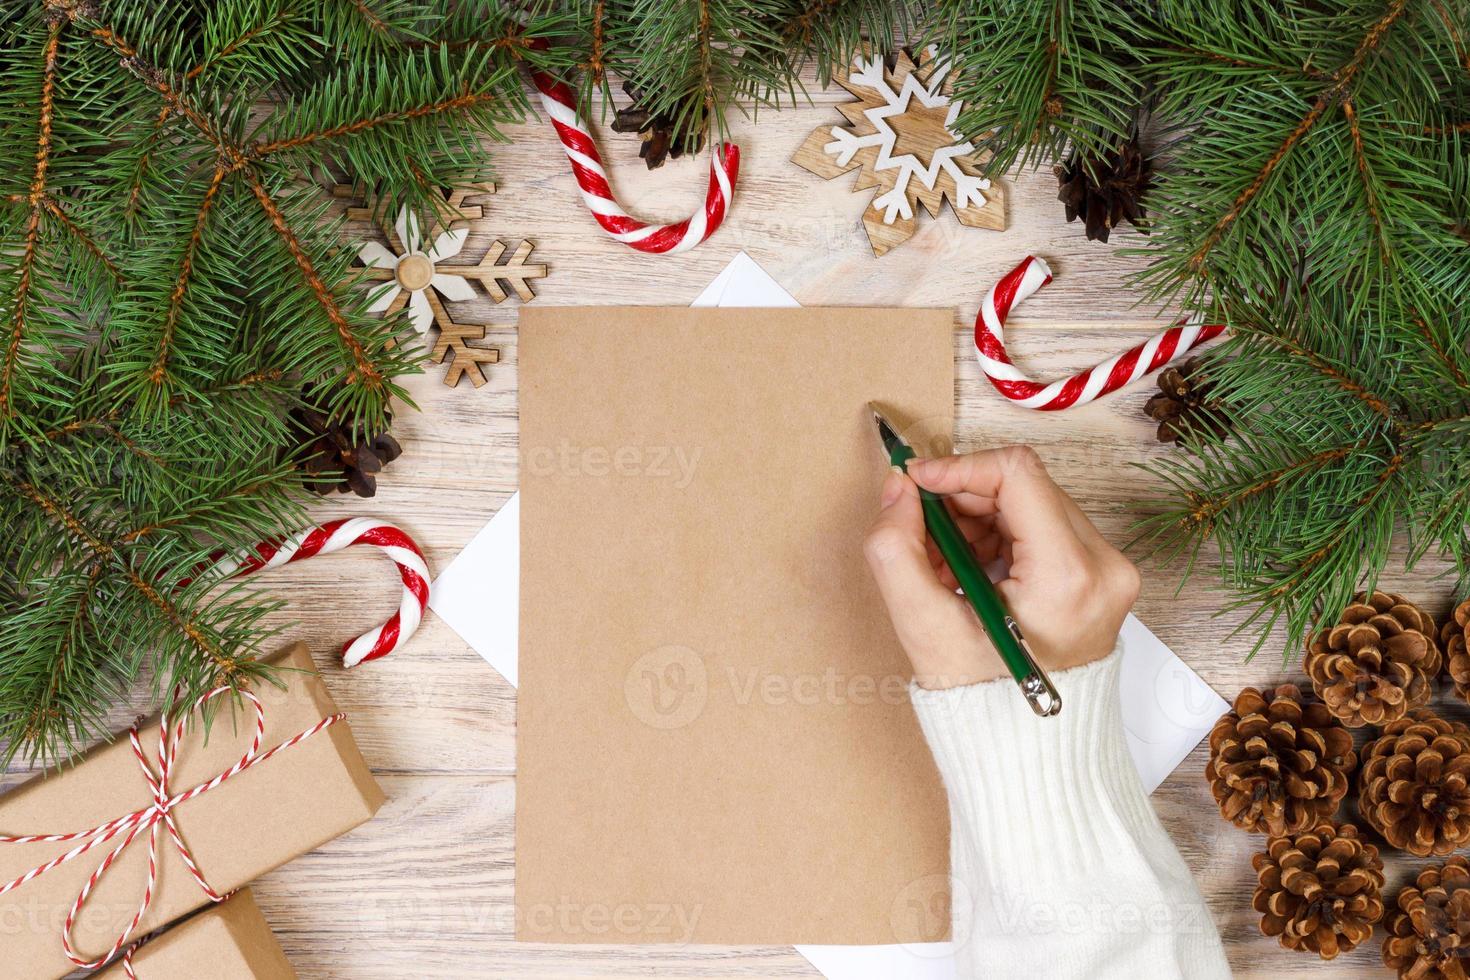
point(1085, 386)
point(334, 536)
point(581, 149)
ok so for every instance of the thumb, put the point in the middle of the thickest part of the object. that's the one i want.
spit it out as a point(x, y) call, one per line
point(917, 601)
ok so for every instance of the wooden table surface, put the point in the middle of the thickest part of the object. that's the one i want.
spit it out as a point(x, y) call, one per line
point(426, 889)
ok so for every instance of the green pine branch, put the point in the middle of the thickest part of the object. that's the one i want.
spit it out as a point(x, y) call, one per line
point(171, 280)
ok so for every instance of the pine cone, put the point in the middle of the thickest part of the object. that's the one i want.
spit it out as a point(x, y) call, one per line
point(331, 456)
point(1429, 933)
point(1279, 766)
point(1379, 662)
point(662, 137)
point(1106, 190)
point(1455, 638)
point(1319, 890)
point(1183, 406)
point(1414, 787)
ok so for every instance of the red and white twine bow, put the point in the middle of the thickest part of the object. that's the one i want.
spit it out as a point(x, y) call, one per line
point(1085, 386)
point(334, 536)
point(581, 149)
point(150, 820)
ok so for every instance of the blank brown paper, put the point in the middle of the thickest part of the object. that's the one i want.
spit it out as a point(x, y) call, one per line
point(715, 743)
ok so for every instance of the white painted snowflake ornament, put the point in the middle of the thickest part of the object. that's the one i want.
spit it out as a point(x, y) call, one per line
point(415, 272)
point(901, 142)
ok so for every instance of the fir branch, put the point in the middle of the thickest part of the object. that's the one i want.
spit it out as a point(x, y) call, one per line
point(1337, 377)
point(135, 189)
point(370, 17)
point(363, 369)
point(158, 372)
point(801, 28)
point(156, 358)
point(106, 555)
point(1337, 93)
point(1365, 172)
point(83, 238)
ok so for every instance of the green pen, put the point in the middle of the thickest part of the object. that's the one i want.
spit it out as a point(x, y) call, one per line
point(976, 585)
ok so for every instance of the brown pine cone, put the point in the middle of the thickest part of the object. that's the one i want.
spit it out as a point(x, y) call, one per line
point(1106, 190)
point(333, 455)
point(662, 135)
point(1379, 662)
point(1455, 638)
point(1429, 932)
point(1414, 787)
point(1184, 407)
point(1279, 766)
point(1319, 890)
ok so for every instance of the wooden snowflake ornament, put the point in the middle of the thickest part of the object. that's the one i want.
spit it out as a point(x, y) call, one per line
point(415, 271)
point(900, 142)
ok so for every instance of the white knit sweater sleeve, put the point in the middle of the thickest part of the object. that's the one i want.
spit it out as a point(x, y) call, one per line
point(1061, 867)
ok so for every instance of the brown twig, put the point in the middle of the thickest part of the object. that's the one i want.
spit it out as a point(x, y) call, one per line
point(1238, 62)
point(19, 304)
point(1441, 352)
point(146, 160)
point(1366, 174)
point(230, 47)
point(596, 69)
point(373, 18)
point(706, 62)
point(465, 100)
point(800, 29)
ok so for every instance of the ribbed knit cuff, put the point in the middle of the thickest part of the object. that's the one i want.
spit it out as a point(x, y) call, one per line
point(1041, 794)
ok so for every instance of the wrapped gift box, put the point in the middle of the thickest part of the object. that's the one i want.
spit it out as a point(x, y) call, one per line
point(251, 823)
point(230, 941)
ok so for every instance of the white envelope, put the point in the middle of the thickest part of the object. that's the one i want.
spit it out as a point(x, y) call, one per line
point(1167, 707)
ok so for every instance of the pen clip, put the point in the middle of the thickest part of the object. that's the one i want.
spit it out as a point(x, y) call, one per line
point(1036, 686)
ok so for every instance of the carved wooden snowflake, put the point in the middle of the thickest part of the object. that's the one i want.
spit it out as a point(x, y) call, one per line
point(899, 139)
point(415, 271)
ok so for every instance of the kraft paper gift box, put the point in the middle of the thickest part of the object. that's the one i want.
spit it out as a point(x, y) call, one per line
point(250, 824)
point(231, 941)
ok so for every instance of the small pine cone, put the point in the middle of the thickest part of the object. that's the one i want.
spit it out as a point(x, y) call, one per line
point(1455, 639)
point(662, 136)
point(1429, 932)
point(332, 455)
point(1184, 406)
point(1319, 890)
point(1279, 766)
point(1378, 663)
point(1414, 787)
point(1106, 190)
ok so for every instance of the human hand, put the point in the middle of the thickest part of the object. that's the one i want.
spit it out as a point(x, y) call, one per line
point(1068, 589)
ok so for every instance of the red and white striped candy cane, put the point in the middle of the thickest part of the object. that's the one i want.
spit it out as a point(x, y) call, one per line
point(1085, 386)
point(150, 820)
point(334, 536)
point(576, 138)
